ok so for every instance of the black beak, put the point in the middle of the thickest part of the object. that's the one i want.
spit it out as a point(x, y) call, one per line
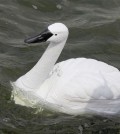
point(42, 37)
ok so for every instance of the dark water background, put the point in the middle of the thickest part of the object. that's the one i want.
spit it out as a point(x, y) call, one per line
point(94, 32)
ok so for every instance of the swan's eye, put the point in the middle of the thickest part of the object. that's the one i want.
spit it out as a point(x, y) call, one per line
point(55, 34)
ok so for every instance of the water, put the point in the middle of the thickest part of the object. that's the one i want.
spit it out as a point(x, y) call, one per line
point(94, 33)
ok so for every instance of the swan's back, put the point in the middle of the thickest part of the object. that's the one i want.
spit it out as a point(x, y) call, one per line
point(88, 75)
point(83, 83)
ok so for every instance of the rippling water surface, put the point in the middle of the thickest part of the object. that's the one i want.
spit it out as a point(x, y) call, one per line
point(94, 32)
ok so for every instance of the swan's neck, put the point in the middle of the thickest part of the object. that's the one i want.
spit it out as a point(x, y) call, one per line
point(36, 76)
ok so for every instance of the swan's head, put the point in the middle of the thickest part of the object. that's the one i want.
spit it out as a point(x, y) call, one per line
point(56, 32)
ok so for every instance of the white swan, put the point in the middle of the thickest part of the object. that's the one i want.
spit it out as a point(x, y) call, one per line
point(74, 86)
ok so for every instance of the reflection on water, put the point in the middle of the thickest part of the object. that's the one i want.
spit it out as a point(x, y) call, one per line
point(94, 33)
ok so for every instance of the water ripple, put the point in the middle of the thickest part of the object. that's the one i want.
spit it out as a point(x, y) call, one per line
point(94, 33)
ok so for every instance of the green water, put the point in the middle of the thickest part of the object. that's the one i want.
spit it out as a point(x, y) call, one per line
point(94, 32)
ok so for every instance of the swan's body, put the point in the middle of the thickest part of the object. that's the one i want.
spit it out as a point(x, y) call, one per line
point(74, 86)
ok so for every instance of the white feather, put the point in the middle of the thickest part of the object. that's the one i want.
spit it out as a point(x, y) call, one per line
point(75, 86)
